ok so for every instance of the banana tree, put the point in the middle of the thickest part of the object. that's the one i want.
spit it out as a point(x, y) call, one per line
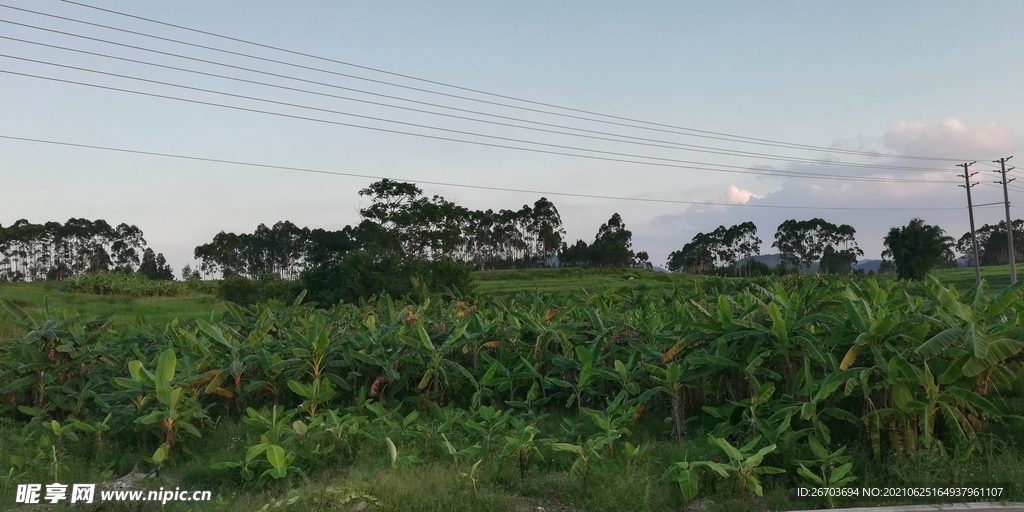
point(985, 328)
point(961, 409)
point(52, 362)
point(439, 368)
point(238, 354)
point(175, 410)
point(670, 380)
point(315, 347)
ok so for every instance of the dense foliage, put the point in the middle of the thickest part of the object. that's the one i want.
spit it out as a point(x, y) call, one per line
point(135, 285)
point(917, 248)
point(723, 247)
point(767, 368)
point(991, 239)
point(402, 223)
point(55, 251)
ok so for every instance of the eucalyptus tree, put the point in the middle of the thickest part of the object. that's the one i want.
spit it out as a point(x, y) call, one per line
point(721, 247)
point(805, 242)
point(546, 227)
point(612, 246)
point(742, 241)
point(54, 251)
point(991, 239)
point(695, 257)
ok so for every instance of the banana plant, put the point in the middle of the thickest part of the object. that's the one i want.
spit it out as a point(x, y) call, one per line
point(238, 355)
point(833, 469)
point(487, 424)
point(523, 447)
point(51, 363)
point(961, 409)
point(471, 475)
point(314, 347)
point(589, 450)
point(745, 464)
point(982, 328)
point(95, 428)
point(396, 460)
point(340, 430)
point(455, 452)
point(670, 381)
point(439, 368)
point(175, 410)
point(687, 475)
point(815, 393)
point(277, 461)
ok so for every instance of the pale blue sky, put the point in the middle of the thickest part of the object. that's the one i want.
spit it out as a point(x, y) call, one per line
point(818, 73)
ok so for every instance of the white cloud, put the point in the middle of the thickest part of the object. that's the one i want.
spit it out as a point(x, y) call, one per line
point(737, 195)
point(950, 138)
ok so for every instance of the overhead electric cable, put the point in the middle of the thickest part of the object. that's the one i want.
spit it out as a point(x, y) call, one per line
point(691, 131)
point(478, 91)
point(451, 184)
point(634, 140)
point(726, 168)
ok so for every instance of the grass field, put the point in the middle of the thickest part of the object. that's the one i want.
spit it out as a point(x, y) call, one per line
point(161, 310)
point(997, 277)
point(125, 310)
point(573, 280)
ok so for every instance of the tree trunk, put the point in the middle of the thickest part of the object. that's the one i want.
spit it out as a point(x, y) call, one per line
point(678, 417)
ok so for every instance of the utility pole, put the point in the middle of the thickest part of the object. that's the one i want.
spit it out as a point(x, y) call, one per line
point(1009, 222)
point(970, 211)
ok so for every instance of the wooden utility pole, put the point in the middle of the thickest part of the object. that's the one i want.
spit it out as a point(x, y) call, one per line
point(970, 211)
point(1009, 221)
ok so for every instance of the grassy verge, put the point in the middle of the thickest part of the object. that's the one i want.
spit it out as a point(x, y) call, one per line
point(997, 276)
point(341, 480)
point(573, 280)
point(125, 310)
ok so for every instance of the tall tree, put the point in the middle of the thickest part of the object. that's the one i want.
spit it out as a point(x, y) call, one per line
point(917, 248)
point(992, 248)
point(804, 242)
point(721, 247)
point(613, 244)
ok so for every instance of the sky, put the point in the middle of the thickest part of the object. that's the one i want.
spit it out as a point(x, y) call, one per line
point(940, 80)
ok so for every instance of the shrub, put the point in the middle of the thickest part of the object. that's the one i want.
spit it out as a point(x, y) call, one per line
point(362, 274)
point(244, 291)
point(134, 285)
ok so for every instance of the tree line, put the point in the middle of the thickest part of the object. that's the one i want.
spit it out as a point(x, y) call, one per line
point(55, 251)
point(800, 244)
point(992, 248)
point(910, 250)
point(401, 222)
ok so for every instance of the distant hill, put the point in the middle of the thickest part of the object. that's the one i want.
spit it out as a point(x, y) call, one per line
point(868, 265)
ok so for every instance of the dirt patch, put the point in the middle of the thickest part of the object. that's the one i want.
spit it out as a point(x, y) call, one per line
point(552, 504)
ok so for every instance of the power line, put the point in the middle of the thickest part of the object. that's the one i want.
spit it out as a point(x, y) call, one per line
point(649, 125)
point(451, 184)
point(726, 168)
point(635, 140)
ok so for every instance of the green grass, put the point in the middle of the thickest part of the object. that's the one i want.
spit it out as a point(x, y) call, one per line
point(997, 276)
point(573, 280)
point(125, 310)
point(614, 483)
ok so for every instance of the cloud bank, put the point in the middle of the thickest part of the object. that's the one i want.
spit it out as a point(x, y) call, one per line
point(947, 139)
